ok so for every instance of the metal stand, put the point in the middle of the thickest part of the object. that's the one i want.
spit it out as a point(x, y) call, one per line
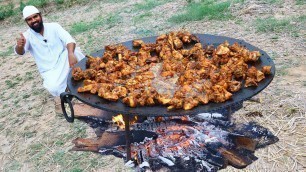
point(126, 119)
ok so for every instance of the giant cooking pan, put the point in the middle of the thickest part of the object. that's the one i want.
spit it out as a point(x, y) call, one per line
point(159, 110)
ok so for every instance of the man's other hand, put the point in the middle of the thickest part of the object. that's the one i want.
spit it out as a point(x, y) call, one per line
point(72, 60)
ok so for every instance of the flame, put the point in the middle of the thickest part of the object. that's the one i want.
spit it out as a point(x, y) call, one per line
point(120, 122)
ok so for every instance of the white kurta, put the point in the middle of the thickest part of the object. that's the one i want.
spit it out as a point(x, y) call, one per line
point(51, 55)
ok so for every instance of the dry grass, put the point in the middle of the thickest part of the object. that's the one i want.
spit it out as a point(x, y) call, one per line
point(34, 138)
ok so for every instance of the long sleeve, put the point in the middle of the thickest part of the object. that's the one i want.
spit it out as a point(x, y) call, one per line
point(65, 37)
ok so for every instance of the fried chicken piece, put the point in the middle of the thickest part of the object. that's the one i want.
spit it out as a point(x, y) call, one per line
point(222, 50)
point(236, 47)
point(142, 57)
point(151, 94)
point(250, 82)
point(106, 93)
point(110, 96)
point(234, 86)
point(110, 47)
point(178, 44)
point(149, 47)
point(259, 76)
point(196, 50)
point(226, 73)
point(177, 55)
point(153, 59)
point(194, 38)
point(175, 103)
point(120, 91)
point(90, 74)
point(187, 37)
point(101, 77)
point(163, 99)
point(220, 94)
point(161, 39)
point(85, 88)
point(137, 42)
point(127, 70)
point(252, 72)
point(214, 76)
point(130, 101)
point(202, 98)
point(184, 52)
point(167, 74)
point(190, 103)
point(146, 98)
point(266, 70)
point(253, 56)
point(94, 87)
point(88, 82)
point(90, 86)
point(77, 73)
point(240, 70)
point(108, 55)
point(93, 63)
point(165, 53)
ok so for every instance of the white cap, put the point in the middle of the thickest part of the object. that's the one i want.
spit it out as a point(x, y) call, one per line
point(29, 10)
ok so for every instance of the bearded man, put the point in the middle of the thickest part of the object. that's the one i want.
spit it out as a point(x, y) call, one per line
point(53, 49)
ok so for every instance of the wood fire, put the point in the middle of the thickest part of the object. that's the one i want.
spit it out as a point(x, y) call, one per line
point(201, 143)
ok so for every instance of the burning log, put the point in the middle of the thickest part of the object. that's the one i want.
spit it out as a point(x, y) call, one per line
point(234, 158)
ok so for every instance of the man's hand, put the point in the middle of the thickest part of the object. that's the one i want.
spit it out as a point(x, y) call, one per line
point(20, 44)
point(21, 41)
point(72, 59)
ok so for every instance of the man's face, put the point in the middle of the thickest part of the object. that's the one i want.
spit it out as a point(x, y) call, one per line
point(35, 22)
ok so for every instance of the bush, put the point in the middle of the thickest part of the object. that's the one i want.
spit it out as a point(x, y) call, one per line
point(207, 9)
point(6, 11)
point(37, 3)
point(59, 1)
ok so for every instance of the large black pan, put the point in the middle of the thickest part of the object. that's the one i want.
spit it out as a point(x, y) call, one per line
point(159, 110)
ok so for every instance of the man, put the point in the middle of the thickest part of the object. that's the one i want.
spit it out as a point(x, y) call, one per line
point(53, 49)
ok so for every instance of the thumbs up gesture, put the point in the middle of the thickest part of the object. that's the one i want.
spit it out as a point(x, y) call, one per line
point(21, 41)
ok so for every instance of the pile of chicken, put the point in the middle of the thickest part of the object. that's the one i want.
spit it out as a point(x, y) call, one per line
point(199, 75)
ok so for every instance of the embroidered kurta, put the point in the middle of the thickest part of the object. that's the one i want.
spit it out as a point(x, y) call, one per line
point(51, 55)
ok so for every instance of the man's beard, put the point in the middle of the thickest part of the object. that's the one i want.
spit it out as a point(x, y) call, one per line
point(37, 28)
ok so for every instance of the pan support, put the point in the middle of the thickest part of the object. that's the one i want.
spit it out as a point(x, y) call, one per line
point(126, 119)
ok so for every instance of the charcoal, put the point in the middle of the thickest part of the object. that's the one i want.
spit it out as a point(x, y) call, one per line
point(116, 153)
point(185, 165)
point(214, 159)
point(213, 147)
point(247, 154)
point(157, 164)
point(94, 122)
